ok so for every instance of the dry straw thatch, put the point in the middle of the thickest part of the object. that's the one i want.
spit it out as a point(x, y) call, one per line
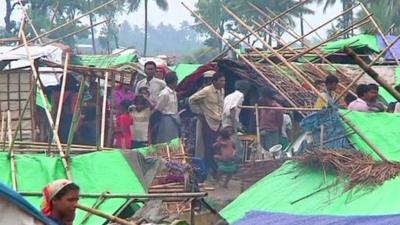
point(355, 167)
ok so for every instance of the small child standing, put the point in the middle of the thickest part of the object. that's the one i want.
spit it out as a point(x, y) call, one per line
point(226, 155)
point(123, 135)
point(141, 111)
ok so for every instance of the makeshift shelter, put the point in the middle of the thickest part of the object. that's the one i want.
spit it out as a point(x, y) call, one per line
point(303, 194)
point(16, 210)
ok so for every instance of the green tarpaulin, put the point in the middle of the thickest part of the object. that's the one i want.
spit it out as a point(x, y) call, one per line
point(93, 172)
point(385, 94)
point(184, 70)
point(306, 191)
point(102, 61)
point(359, 41)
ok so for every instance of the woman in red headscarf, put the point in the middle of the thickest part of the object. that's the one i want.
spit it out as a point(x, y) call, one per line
point(161, 71)
point(59, 201)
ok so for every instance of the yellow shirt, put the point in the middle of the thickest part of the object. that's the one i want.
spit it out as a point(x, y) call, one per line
point(322, 101)
point(210, 102)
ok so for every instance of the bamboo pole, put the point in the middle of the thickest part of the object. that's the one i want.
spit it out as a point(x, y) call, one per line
point(320, 26)
point(258, 136)
point(11, 153)
point(372, 19)
point(372, 63)
point(280, 108)
point(73, 33)
point(61, 99)
point(354, 26)
point(76, 116)
point(103, 115)
point(294, 34)
point(295, 70)
point(42, 96)
point(259, 28)
point(112, 108)
point(104, 215)
point(3, 126)
point(241, 56)
point(372, 73)
point(265, 58)
point(96, 205)
point(132, 195)
point(69, 22)
point(9, 127)
point(26, 16)
point(98, 115)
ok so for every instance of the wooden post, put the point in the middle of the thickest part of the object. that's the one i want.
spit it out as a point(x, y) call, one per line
point(259, 28)
point(112, 108)
point(76, 116)
point(241, 56)
point(9, 127)
point(61, 99)
point(372, 73)
point(104, 215)
point(3, 126)
point(258, 136)
point(33, 110)
point(42, 96)
point(321, 138)
point(104, 111)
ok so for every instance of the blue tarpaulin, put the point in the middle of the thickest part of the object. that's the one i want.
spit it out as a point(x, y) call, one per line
point(260, 218)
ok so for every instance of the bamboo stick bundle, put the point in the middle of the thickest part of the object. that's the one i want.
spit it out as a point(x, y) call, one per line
point(104, 215)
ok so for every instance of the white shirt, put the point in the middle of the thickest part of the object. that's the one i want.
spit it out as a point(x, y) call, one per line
point(167, 102)
point(155, 86)
point(286, 125)
point(140, 128)
point(358, 105)
point(233, 101)
point(397, 108)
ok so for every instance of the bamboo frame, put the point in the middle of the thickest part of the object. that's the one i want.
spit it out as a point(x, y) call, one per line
point(241, 56)
point(61, 99)
point(9, 127)
point(26, 16)
point(103, 115)
point(3, 126)
point(280, 108)
point(372, 19)
point(110, 133)
point(258, 136)
point(370, 64)
point(196, 195)
point(98, 115)
point(259, 28)
point(96, 205)
point(294, 34)
point(36, 75)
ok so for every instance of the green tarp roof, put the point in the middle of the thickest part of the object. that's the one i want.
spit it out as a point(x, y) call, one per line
point(102, 61)
point(277, 191)
point(184, 70)
point(93, 172)
point(359, 41)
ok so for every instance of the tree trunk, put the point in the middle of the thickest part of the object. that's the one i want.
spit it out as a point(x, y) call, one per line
point(145, 27)
point(92, 29)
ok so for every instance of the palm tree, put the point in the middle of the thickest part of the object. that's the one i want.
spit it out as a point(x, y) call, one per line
point(134, 5)
point(388, 17)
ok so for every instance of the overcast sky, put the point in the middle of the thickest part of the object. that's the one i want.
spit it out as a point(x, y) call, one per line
point(177, 13)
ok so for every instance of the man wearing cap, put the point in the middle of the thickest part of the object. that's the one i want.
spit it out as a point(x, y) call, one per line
point(59, 201)
point(208, 103)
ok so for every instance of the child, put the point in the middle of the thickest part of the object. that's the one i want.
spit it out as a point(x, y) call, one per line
point(141, 112)
point(225, 157)
point(123, 135)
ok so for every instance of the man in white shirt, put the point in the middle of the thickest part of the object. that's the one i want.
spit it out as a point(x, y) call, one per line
point(360, 104)
point(168, 126)
point(154, 84)
point(231, 111)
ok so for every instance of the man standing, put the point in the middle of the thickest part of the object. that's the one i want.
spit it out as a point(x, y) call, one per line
point(208, 103)
point(360, 104)
point(327, 98)
point(374, 104)
point(271, 120)
point(154, 84)
point(168, 126)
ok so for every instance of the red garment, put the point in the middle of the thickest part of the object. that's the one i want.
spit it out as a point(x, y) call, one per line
point(271, 120)
point(124, 123)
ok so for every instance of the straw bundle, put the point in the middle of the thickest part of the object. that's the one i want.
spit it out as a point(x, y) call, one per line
point(355, 167)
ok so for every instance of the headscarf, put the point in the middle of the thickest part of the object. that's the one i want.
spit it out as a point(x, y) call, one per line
point(164, 69)
point(49, 192)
